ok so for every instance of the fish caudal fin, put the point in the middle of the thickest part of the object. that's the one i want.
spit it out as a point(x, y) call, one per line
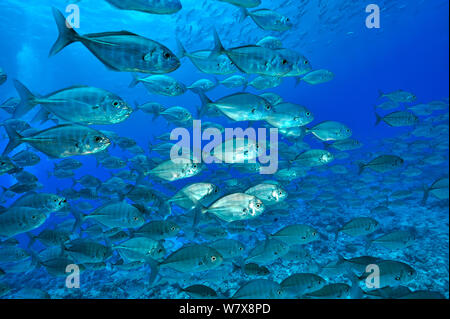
point(244, 14)
point(426, 193)
point(379, 119)
point(361, 167)
point(198, 210)
point(27, 100)
point(205, 102)
point(181, 50)
point(134, 81)
point(380, 94)
point(154, 268)
point(66, 35)
point(15, 139)
point(336, 235)
point(297, 80)
point(79, 219)
point(355, 292)
point(31, 239)
point(41, 117)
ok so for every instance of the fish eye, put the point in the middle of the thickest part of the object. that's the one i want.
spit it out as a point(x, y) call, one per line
point(258, 205)
point(213, 258)
point(314, 233)
point(306, 61)
point(348, 130)
point(172, 228)
point(3, 163)
point(279, 292)
point(135, 218)
point(268, 107)
point(33, 217)
point(98, 139)
point(167, 55)
point(241, 248)
point(308, 113)
point(194, 166)
point(397, 278)
point(284, 61)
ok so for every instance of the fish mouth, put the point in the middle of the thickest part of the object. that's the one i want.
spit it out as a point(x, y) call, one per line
point(176, 65)
point(128, 110)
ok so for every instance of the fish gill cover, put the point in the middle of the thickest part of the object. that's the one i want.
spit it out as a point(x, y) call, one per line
point(224, 149)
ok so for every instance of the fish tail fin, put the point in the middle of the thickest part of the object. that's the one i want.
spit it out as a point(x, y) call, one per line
point(66, 35)
point(199, 210)
point(181, 49)
point(361, 167)
point(218, 46)
point(367, 243)
point(154, 267)
point(156, 114)
point(355, 292)
point(108, 242)
point(341, 260)
point(236, 267)
point(74, 182)
point(426, 193)
point(297, 80)
point(79, 218)
point(136, 106)
point(205, 102)
point(216, 81)
point(244, 14)
point(4, 190)
point(379, 118)
point(380, 94)
point(336, 235)
point(266, 233)
point(15, 139)
point(140, 179)
point(27, 100)
point(239, 264)
point(134, 80)
point(31, 238)
point(35, 259)
point(178, 287)
point(63, 249)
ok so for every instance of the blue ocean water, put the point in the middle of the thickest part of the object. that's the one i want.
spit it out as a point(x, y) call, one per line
point(410, 51)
